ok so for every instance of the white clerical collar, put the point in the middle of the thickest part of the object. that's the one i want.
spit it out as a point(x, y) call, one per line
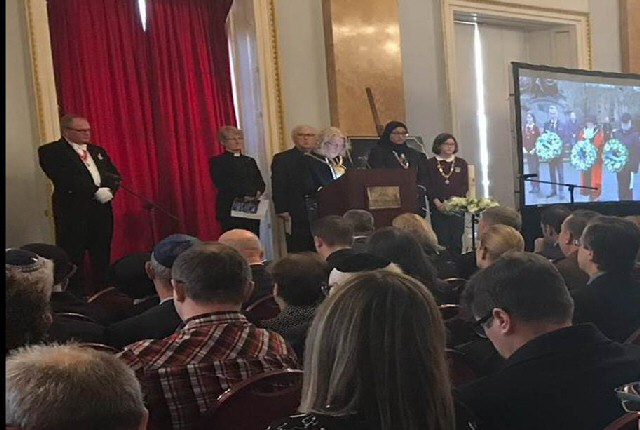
point(235, 154)
point(448, 160)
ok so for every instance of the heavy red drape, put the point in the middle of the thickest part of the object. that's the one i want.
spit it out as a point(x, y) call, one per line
point(154, 100)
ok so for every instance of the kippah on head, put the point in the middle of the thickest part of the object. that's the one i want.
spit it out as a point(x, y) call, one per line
point(24, 261)
point(62, 266)
point(168, 249)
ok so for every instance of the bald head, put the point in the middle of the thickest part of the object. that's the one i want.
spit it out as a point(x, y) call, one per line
point(246, 243)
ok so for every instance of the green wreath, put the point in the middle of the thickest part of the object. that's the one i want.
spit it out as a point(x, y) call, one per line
point(615, 155)
point(583, 155)
point(548, 146)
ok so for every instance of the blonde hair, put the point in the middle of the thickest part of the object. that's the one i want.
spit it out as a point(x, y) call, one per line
point(420, 228)
point(499, 239)
point(379, 337)
point(326, 135)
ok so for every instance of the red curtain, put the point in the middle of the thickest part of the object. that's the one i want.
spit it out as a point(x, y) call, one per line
point(154, 100)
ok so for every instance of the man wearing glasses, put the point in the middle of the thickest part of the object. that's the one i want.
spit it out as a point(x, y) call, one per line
point(84, 183)
point(288, 181)
point(556, 375)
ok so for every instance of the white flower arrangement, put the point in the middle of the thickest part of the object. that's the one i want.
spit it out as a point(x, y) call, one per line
point(462, 205)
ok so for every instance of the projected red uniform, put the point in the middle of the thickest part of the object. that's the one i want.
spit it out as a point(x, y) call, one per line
point(593, 176)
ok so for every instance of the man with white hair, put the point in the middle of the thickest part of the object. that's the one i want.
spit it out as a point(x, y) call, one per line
point(249, 246)
point(288, 175)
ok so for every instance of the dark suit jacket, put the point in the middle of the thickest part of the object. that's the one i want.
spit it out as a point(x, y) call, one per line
point(290, 181)
point(262, 284)
point(337, 257)
point(64, 329)
point(466, 264)
point(234, 177)
point(560, 129)
point(63, 301)
point(319, 173)
point(381, 156)
point(156, 323)
point(573, 275)
point(74, 189)
point(611, 302)
point(563, 380)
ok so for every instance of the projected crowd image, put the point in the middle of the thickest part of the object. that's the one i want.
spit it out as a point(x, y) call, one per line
point(580, 130)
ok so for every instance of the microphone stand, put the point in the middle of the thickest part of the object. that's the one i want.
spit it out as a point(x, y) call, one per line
point(150, 207)
point(571, 187)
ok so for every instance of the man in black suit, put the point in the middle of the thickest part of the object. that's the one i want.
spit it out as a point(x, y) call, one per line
point(161, 320)
point(288, 171)
point(556, 375)
point(556, 166)
point(611, 300)
point(235, 176)
point(85, 181)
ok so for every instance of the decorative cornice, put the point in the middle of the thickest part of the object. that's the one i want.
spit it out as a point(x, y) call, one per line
point(275, 58)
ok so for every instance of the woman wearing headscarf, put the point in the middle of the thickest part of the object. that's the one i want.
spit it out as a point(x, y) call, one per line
point(392, 152)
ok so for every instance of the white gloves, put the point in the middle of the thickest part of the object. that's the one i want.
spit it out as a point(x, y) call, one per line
point(104, 195)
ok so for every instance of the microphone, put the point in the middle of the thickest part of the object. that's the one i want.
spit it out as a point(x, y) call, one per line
point(529, 176)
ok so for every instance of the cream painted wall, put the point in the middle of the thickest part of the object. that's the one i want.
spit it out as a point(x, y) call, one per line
point(302, 64)
point(605, 36)
point(25, 184)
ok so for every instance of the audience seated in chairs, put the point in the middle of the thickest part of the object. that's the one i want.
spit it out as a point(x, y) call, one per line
point(611, 299)
point(28, 288)
point(421, 229)
point(333, 239)
point(269, 396)
point(365, 370)
point(363, 226)
point(161, 320)
point(556, 375)
point(569, 241)
point(250, 247)
point(63, 301)
point(71, 387)
point(492, 216)
point(215, 348)
point(401, 248)
point(551, 220)
point(298, 283)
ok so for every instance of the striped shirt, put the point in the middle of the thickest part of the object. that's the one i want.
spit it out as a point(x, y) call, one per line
point(183, 374)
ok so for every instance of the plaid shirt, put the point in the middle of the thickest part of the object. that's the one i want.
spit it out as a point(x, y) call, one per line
point(183, 374)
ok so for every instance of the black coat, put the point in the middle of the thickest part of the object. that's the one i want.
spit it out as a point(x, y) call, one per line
point(156, 323)
point(611, 302)
point(234, 176)
point(290, 181)
point(319, 173)
point(560, 380)
point(382, 157)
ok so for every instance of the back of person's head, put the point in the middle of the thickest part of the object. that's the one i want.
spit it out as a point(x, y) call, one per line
point(553, 216)
point(129, 275)
point(300, 278)
point(578, 220)
point(502, 215)
point(420, 228)
point(333, 230)
point(358, 263)
point(402, 248)
point(165, 253)
point(361, 221)
point(69, 386)
point(212, 273)
point(376, 348)
point(614, 243)
point(63, 268)
point(525, 285)
point(498, 240)
point(28, 289)
point(246, 243)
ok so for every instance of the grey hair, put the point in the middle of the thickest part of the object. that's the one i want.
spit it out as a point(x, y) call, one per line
point(326, 135)
point(69, 386)
point(159, 271)
point(297, 128)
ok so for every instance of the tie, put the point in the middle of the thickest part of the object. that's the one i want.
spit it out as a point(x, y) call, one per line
point(84, 155)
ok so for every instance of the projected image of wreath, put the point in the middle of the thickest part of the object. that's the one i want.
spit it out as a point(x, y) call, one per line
point(583, 155)
point(548, 146)
point(615, 155)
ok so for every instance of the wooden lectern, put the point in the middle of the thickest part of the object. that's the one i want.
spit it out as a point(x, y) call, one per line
point(386, 193)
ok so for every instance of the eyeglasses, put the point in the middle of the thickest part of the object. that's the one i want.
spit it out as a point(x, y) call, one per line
point(629, 396)
point(400, 133)
point(234, 138)
point(306, 135)
point(79, 130)
point(478, 325)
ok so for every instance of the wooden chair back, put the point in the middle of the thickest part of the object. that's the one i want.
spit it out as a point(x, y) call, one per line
point(256, 402)
point(76, 316)
point(629, 421)
point(112, 300)
point(263, 309)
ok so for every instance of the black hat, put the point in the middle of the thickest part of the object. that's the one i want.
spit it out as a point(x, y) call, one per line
point(168, 249)
point(63, 268)
point(24, 261)
point(361, 263)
